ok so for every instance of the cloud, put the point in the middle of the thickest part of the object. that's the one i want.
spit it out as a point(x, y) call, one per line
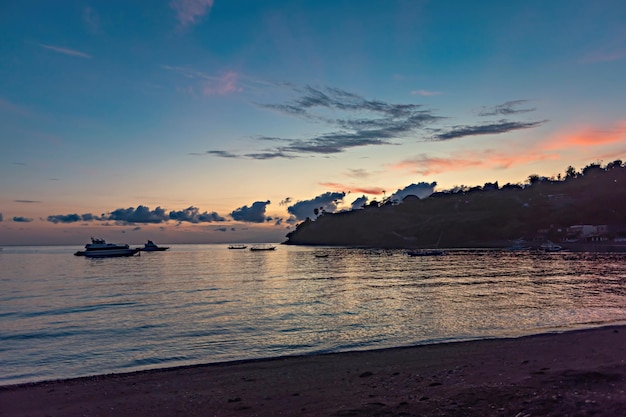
point(221, 86)
point(506, 109)
point(1, 217)
point(285, 202)
point(501, 126)
point(587, 136)
point(359, 203)
point(223, 154)
point(64, 218)
point(425, 93)
point(358, 173)
point(141, 214)
point(193, 215)
point(91, 19)
point(65, 51)
point(20, 219)
point(206, 84)
point(327, 201)
point(27, 201)
point(355, 122)
point(421, 190)
point(252, 214)
point(353, 188)
point(428, 165)
point(189, 12)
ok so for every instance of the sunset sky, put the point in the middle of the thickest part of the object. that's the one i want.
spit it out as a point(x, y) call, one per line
point(231, 120)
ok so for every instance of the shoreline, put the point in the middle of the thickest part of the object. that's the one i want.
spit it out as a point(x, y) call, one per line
point(573, 372)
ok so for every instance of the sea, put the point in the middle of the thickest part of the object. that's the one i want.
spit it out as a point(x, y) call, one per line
point(64, 316)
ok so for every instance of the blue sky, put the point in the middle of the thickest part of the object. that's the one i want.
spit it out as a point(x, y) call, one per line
point(226, 121)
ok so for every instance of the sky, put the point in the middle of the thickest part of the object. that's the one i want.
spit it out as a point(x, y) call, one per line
point(214, 121)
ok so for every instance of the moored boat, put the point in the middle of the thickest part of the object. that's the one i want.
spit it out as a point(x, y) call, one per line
point(99, 248)
point(237, 246)
point(426, 252)
point(150, 246)
point(262, 247)
point(550, 247)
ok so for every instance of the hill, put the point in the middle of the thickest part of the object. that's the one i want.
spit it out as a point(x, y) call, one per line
point(482, 216)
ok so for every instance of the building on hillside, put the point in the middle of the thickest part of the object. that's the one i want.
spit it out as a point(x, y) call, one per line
point(587, 232)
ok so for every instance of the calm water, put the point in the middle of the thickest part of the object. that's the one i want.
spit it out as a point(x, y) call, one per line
point(65, 316)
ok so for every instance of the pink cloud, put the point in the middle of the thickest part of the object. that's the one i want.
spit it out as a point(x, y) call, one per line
point(221, 86)
point(342, 187)
point(427, 165)
point(189, 12)
point(587, 136)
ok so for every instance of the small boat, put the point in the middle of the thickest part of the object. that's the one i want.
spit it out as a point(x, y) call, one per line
point(262, 247)
point(429, 252)
point(550, 247)
point(321, 255)
point(518, 245)
point(152, 247)
point(426, 252)
point(237, 246)
point(98, 248)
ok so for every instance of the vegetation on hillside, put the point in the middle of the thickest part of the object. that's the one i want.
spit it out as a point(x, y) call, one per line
point(485, 216)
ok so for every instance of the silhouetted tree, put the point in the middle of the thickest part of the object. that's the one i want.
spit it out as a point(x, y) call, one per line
point(533, 179)
point(570, 172)
point(615, 164)
point(591, 168)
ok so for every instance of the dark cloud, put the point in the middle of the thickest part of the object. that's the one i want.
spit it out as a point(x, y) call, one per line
point(141, 214)
point(365, 123)
point(73, 218)
point(1, 217)
point(252, 214)
point(221, 229)
point(501, 126)
point(27, 201)
point(327, 202)
point(65, 218)
point(223, 154)
point(285, 202)
point(421, 190)
point(20, 219)
point(505, 109)
point(193, 215)
point(359, 203)
point(136, 229)
point(270, 155)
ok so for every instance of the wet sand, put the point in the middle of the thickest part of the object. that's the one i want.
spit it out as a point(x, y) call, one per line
point(578, 373)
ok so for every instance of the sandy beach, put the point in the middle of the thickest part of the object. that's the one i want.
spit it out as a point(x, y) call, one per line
point(577, 373)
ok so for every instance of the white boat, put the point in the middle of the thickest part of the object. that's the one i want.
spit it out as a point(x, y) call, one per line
point(98, 248)
point(262, 247)
point(550, 247)
point(152, 247)
point(237, 247)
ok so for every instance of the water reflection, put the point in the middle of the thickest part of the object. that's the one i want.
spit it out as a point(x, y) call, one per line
point(62, 315)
